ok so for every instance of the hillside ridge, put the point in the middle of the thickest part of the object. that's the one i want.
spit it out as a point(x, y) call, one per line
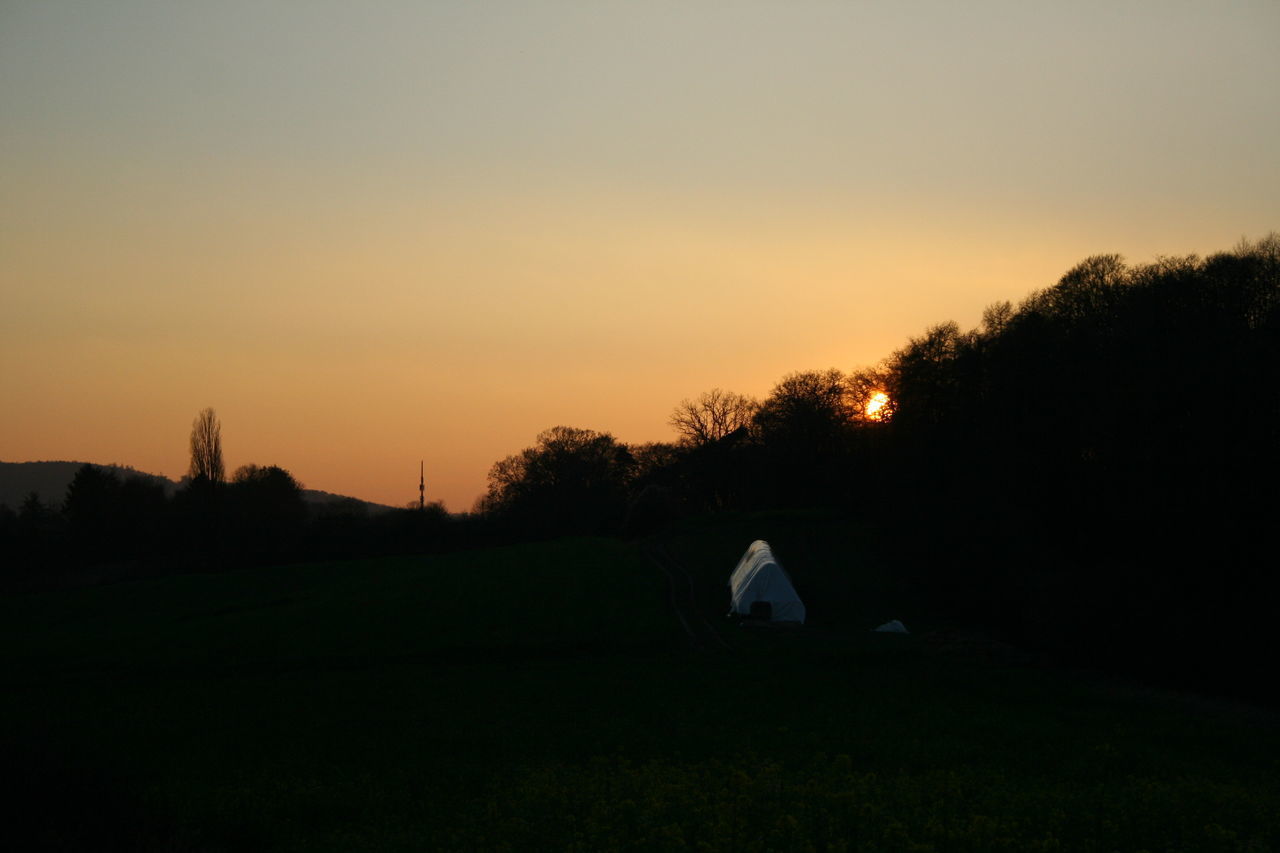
point(49, 479)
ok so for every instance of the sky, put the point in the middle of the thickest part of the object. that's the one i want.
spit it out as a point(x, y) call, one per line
point(377, 233)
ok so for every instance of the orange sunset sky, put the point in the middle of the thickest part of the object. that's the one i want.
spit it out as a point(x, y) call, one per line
point(373, 233)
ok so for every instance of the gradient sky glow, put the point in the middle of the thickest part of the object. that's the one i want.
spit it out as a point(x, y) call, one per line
point(372, 233)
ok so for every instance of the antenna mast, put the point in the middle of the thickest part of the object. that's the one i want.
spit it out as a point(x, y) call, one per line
point(422, 486)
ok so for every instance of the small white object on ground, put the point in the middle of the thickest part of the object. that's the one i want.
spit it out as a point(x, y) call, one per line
point(893, 627)
point(759, 577)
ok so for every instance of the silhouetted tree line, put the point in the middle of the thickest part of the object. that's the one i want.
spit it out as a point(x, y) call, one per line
point(108, 526)
point(1093, 470)
point(1097, 467)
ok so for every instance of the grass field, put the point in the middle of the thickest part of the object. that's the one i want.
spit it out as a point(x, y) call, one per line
point(544, 697)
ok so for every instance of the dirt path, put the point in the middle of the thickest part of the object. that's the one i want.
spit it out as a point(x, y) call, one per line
point(703, 636)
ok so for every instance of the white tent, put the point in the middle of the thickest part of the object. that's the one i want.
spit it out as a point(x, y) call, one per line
point(759, 577)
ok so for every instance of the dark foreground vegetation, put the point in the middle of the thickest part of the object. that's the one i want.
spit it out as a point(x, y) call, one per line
point(543, 697)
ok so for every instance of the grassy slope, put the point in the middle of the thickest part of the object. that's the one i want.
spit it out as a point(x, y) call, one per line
point(540, 697)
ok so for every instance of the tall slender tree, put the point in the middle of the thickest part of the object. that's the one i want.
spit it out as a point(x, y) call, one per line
point(206, 447)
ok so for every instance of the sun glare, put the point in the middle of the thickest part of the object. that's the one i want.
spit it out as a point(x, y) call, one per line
point(875, 409)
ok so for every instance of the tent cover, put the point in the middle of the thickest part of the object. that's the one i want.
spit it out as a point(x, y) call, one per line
point(760, 577)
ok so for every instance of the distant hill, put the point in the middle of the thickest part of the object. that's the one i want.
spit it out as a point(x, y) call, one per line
point(50, 480)
point(317, 498)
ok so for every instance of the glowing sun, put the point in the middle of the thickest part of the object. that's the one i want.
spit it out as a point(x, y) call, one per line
point(875, 408)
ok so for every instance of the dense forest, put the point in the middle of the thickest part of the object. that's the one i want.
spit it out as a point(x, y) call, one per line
point(1092, 471)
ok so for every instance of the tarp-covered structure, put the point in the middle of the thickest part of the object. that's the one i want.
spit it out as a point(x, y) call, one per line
point(760, 587)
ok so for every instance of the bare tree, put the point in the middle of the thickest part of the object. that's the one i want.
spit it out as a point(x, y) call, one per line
point(206, 447)
point(712, 416)
point(996, 318)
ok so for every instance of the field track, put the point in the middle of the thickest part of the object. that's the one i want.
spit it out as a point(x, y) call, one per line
point(703, 636)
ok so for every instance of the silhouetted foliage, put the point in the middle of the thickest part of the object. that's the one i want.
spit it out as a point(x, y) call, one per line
point(865, 384)
point(92, 510)
point(804, 427)
point(1092, 470)
point(1104, 454)
point(722, 474)
point(206, 447)
point(267, 510)
point(198, 512)
point(143, 514)
point(807, 408)
point(712, 415)
point(38, 536)
point(572, 480)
